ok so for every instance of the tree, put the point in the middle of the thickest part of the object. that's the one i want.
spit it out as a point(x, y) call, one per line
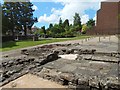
point(50, 26)
point(26, 17)
point(91, 23)
point(77, 21)
point(48, 30)
point(60, 22)
point(44, 31)
point(6, 25)
point(84, 28)
point(19, 14)
point(11, 13)
point(55, 29)
point(66, 23)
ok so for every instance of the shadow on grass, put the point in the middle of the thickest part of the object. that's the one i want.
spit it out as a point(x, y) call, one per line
point(9, 44)
point(42, 39)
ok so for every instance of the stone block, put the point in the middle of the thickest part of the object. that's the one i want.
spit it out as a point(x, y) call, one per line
point(49, 58)
point(83, 81)
point(25, 52)
point(67, 76)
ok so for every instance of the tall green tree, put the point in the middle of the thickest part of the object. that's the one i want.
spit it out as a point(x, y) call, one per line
point(77, 21)
point(66, 23)
point(48, 30)
point(66, 27)
point(60, 27)
point(44, 31)
point(60, 22)
point(6, 25)
point(19, 14)
point(55, 29)
point(11, 13)
point(91, 23)
point(26, 17)
point(50, 26)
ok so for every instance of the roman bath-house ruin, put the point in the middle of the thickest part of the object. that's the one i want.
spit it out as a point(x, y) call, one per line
point(88, 64)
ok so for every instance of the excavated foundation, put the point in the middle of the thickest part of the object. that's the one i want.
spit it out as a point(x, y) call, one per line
point(91, 70)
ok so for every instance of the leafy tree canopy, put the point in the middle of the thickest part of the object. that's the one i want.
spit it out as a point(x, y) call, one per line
point(91, 23)
point(60, 21)
point(20, 14)
point(77, 21)
point(84, 28)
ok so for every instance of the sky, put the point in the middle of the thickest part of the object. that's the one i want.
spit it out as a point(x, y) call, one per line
point(50, 11)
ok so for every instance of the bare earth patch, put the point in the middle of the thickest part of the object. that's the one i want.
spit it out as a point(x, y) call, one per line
point(32, 81)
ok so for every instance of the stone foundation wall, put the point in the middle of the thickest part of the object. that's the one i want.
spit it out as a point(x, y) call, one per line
point(15, 67)
point(44, 62)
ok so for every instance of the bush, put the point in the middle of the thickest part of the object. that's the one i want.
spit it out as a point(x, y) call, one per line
point(84, 29)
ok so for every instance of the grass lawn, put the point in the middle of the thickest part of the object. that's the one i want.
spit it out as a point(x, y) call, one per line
point(6, 46)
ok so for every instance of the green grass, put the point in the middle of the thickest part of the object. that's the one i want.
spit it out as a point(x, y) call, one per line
point(6, 46)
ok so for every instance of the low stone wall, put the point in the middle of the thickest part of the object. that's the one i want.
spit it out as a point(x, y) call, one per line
point(99, 58)
point(15, 67)
point(73, 80)
point(76, 81)
point(41, 51)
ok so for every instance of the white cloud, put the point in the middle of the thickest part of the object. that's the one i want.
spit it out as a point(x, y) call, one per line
point(69, 9)
point(52, 18)
point(84, 19)
point(56, 12)
point(35, 7)
point(95, 18)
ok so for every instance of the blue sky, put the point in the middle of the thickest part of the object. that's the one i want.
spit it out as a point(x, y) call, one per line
point(44, 8)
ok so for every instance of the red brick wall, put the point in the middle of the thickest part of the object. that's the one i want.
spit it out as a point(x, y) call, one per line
point(107, 18)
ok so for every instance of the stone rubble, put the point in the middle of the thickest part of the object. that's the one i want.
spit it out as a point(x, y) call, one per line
point(92, 70)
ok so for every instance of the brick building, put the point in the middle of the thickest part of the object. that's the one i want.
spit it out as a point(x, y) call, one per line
point(108, 19)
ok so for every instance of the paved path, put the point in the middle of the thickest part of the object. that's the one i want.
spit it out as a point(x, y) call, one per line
point(108, 43)
point(102, 44)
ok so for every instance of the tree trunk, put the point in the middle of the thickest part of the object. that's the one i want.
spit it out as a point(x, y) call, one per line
point(13, 25)
point(25, 30)
point(13, 34)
